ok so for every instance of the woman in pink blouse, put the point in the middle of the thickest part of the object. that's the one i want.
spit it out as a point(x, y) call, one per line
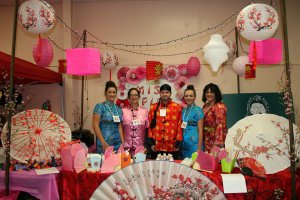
point(135, 122)
point(215, 110)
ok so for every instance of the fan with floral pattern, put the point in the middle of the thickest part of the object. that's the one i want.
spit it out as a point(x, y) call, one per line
point(157, 180)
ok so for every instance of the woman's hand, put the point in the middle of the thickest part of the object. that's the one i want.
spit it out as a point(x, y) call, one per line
point(104, 146)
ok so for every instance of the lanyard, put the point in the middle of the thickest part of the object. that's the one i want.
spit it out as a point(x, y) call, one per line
point(185, 118)
point(110, 109)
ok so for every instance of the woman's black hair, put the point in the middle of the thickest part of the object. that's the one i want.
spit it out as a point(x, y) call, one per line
point(190, 87)
point(110, 84)
point(153, 121)
point(129, 91)
point(214, 89)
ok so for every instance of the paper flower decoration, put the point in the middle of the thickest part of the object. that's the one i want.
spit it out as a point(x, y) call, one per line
point(122, 73)
point(193, 66)
point(42, 52)
point(257, 22)
point(109, 60)
point(141, 72)
point(238, 65)
point(36, 16)
point(215, 51)
point(122, 103)
point(131, 77)
point(267, 51)
point(181, 82)
point(183, 70)
point(171, 73)
point(122, 94)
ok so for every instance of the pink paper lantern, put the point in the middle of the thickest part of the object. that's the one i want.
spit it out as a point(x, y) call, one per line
point(42, 52)
point(36, 16)
point(193, 66)
point(83, 61)
point(267, 51)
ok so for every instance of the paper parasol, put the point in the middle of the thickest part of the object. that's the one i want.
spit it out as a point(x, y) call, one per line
point(36, 135)
point(157, 180)
point(264, 137)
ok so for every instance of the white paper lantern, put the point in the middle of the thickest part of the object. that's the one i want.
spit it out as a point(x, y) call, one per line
point(215, 51)
point(109, 60)
point(36, 16)
point(257, 22)
point(238, 65)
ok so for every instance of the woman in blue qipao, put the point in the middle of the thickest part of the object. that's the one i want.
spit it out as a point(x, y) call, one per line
point(192, 124)
point(107, 117)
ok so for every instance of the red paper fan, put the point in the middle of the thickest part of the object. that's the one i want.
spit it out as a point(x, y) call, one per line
point(80, 160)
point(122, 72)
point(132, 77)
point(207, 162)
point(251, 163)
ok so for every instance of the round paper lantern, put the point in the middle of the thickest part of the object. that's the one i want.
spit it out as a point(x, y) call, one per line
point(193, 66)
point(42, 52)
point(238, 65)
point(36, 16)
point(215, 51)
point(257, 22)
point(109, 60)
point(232, 47)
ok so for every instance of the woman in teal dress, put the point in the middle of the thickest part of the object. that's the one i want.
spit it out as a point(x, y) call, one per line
point(192, 125)
point(107, 117)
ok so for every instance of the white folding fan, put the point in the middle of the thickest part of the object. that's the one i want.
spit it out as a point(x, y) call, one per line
point(157, 180)
point(264, 137)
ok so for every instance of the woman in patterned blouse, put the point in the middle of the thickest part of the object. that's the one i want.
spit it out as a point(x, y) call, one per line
point(215, 110)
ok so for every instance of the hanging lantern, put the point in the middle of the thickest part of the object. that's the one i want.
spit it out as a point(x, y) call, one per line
point(193, 66)
point(232, 47)
point(154, 70)
point(257, 22)
point(267, 51)
point(215, 52)
point(238, 65)
point(36, 16)
point(83, 61)
point(43, 52)
point(109, 60)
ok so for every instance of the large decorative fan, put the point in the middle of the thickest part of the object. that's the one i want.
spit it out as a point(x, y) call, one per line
point(36, 135)
point(264, 137)
point(157, 180)
point(80, 161)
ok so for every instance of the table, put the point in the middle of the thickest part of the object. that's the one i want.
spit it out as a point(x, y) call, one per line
point(81, 186)
point(39, 186)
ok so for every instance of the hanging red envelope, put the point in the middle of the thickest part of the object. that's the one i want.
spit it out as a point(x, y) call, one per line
point(250, 70)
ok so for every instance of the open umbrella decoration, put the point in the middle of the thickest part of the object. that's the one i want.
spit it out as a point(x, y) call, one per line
point(36, 135)
point(157, 180)
point(264, 137)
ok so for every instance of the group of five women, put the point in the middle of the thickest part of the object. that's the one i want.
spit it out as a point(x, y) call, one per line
point(199, 129)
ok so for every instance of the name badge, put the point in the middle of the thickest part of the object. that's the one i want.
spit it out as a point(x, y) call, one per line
point(183, 125)
point(136, 122)
point(163, 112)
point(116, 118)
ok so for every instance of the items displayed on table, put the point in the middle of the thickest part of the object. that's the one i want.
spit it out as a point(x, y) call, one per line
point(164, 156)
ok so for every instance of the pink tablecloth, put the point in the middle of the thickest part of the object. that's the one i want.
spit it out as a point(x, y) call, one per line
point(39, 186)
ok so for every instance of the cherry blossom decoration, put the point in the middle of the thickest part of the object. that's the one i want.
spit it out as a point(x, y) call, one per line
point(215, 52)
point(232, 47)
point(109, 60)
point(238, 65)
point(171, 73)
point(257, 22)
point(43, 52)
point(36, 16)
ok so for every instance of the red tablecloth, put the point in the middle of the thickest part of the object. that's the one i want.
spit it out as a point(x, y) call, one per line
point(81, 186)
